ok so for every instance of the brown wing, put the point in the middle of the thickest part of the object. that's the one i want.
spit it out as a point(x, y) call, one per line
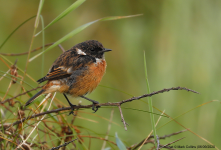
point(67, 69)
point(57, 73)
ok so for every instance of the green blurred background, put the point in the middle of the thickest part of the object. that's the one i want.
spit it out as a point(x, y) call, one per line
point(181, 40)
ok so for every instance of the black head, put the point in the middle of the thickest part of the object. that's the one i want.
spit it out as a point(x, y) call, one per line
point(92, 48)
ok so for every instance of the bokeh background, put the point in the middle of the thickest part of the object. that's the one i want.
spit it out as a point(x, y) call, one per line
point(181, 41)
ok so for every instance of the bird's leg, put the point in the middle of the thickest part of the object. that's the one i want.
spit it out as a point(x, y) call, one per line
point(72, 106)
point(94, 103)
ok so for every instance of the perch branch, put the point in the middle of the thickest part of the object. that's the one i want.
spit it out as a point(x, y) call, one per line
point(104, 104)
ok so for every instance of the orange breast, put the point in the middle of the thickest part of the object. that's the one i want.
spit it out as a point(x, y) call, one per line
point(89, 80)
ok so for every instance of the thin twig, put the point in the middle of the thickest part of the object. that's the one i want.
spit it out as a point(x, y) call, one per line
point(158, 142)
point(103, 104)
point(165, 146)
point(122, 118)
point(140, 145)
point(24, 141)
point(4, 75)
point(5, 63)
point(157, 92)
point(52, 130)
point(153, 148)
point(45, 132)
point(18, 54)
point(152, 136)
point(63, 50)
point(63, 145)
point(169, 135)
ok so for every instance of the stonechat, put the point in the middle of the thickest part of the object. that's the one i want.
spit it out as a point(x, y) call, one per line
point(77, 72)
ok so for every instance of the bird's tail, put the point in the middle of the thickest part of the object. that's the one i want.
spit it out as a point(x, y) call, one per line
point(34, 97)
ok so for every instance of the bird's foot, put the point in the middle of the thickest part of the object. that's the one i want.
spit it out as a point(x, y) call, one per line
point(95, 108)
point(72, 109)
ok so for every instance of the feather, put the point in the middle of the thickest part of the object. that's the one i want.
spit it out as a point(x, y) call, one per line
point(34, 97)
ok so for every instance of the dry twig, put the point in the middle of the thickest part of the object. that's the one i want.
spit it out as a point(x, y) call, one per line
point(103, 104)
point(63, 145)
point(18, 54)
point(151, 137)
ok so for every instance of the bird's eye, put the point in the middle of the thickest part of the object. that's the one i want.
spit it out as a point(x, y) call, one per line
point(92, 50)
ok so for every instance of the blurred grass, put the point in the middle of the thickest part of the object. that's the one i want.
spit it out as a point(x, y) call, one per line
point(150, 104)
point(181, 40)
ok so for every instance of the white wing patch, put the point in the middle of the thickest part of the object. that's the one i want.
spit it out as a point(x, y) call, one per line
point(69, 70)
point(55, 87)
point(80, 52)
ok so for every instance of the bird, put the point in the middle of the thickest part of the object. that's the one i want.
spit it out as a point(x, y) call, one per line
point(76, 72)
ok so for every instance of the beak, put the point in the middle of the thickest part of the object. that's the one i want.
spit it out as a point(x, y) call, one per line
point(106, 50)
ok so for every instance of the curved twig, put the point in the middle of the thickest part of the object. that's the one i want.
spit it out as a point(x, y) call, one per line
point(103, 104)
point(18, 54)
